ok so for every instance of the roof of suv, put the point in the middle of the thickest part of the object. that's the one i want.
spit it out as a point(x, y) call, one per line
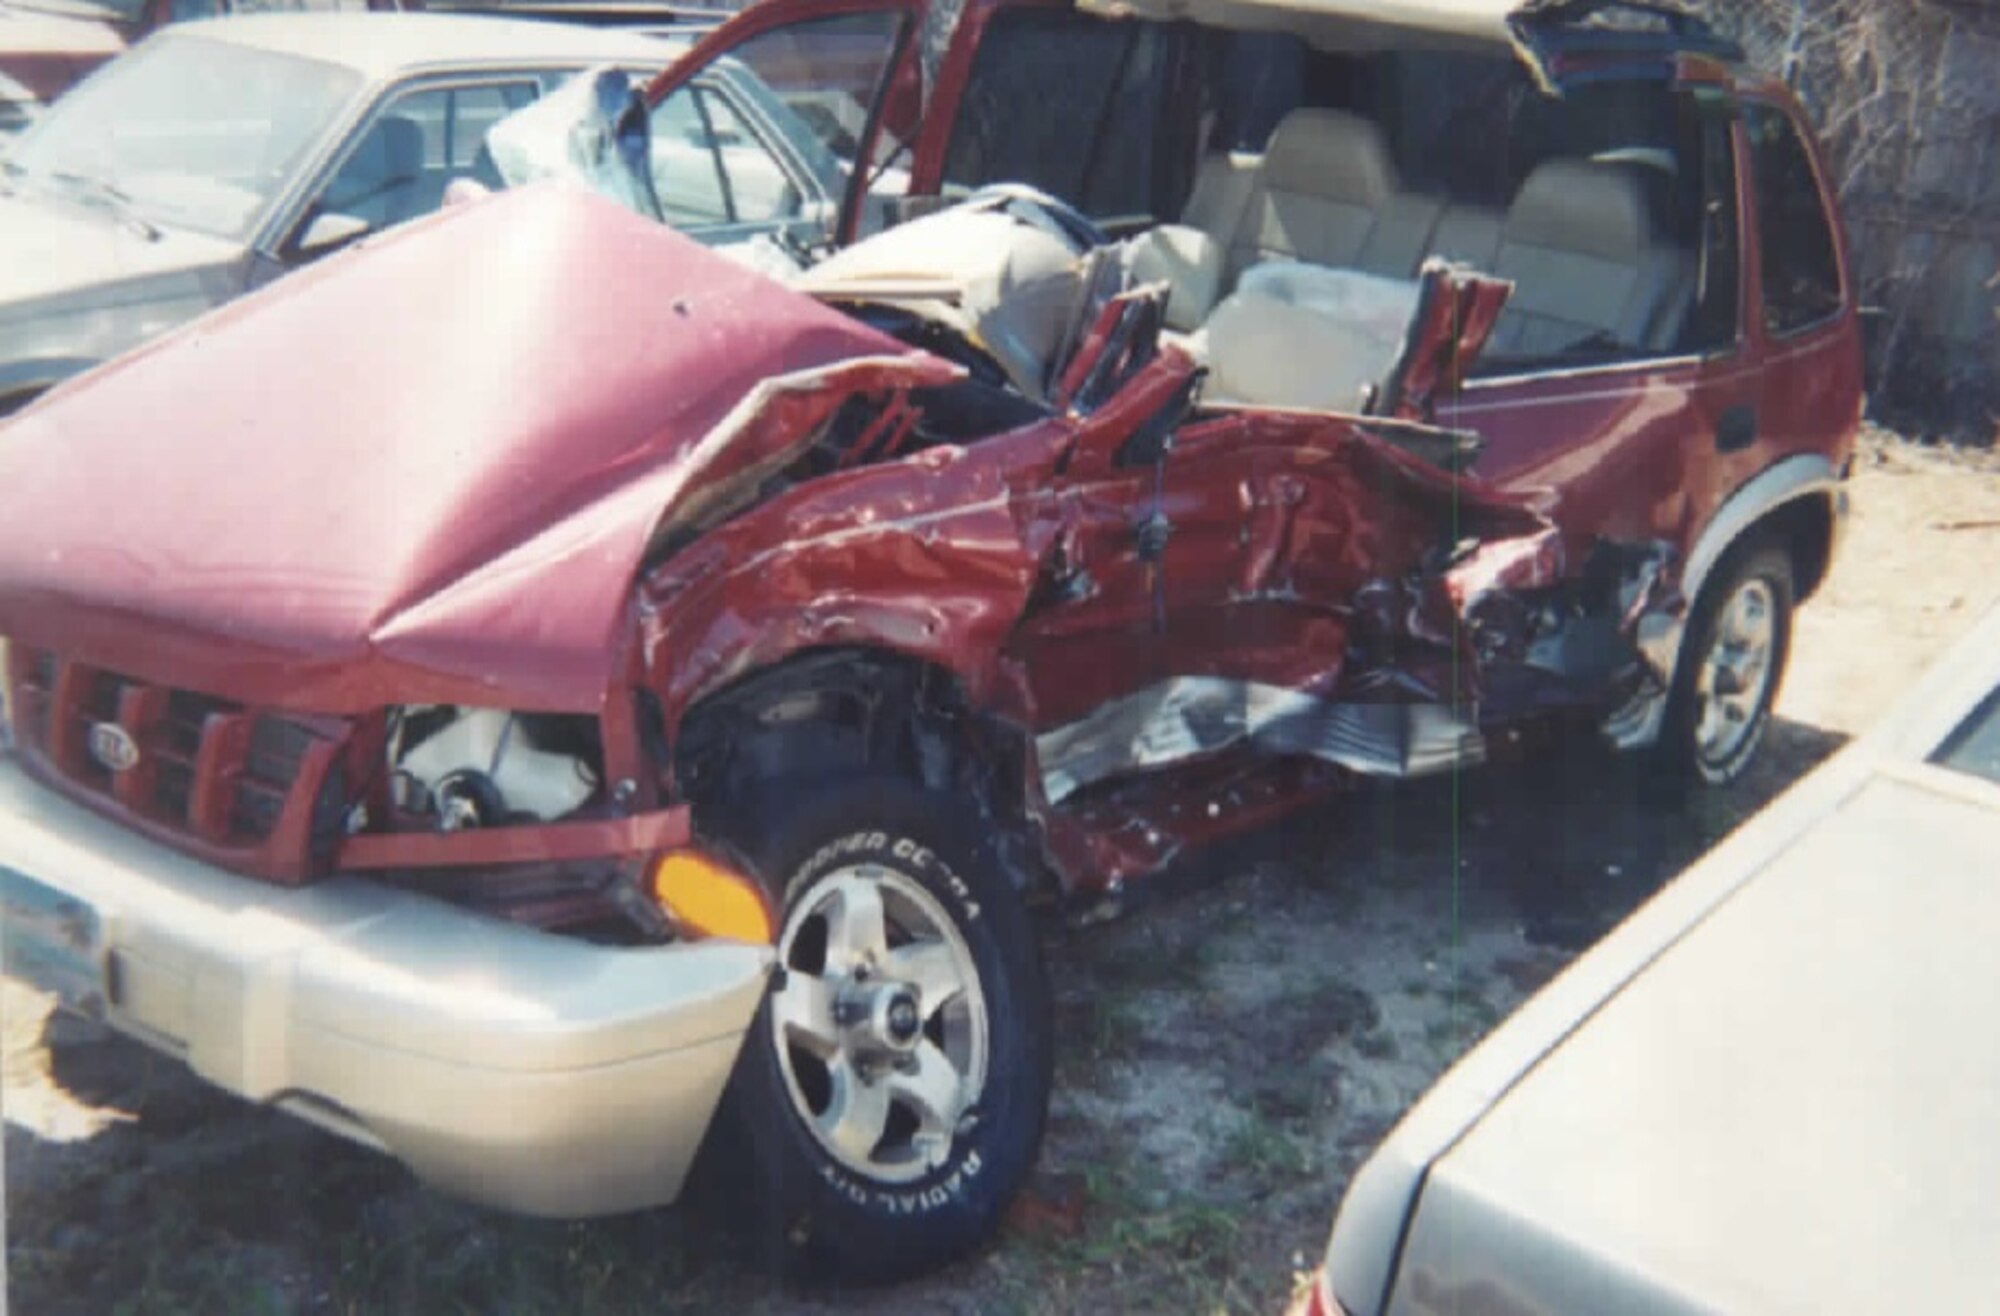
point(1382, 24)
point(380, 44)
point(1344, 21)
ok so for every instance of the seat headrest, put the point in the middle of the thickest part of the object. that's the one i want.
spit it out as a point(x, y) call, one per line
point(1593, 208)
point(393, 149)
point(1330, 153)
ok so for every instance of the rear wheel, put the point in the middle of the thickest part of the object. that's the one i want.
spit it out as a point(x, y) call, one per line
point(891, 1092)
point(1738, 641)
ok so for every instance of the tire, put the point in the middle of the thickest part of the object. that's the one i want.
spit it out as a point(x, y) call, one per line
point(1738, 638)
point(955, 1075)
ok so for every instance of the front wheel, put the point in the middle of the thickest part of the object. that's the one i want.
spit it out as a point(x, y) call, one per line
point(1737, 644)
point(890, 1095)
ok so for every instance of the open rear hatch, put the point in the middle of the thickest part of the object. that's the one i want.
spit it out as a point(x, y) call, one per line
point(1546, 35)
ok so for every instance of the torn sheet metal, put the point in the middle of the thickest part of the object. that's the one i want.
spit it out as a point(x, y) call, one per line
point(1457, 308)
point(466, 528)
point(1546, 637)
point(594, 130)
point(1192, 717)
point(931, 557)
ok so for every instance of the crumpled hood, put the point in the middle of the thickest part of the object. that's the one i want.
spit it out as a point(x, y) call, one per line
point(67, 259)
point(425, 469)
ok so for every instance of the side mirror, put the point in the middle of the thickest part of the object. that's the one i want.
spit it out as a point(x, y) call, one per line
point(329, 230)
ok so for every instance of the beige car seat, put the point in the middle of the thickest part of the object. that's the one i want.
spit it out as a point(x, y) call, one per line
point(1588, 262)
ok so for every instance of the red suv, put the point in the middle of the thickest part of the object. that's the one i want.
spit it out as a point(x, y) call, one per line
point(533, 688)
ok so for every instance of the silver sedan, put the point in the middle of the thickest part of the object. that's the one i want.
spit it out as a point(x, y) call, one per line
point(1773, 1089)
point(217, 155)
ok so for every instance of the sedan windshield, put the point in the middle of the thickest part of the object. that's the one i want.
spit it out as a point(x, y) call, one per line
point(185, 131)
point(1975, 747)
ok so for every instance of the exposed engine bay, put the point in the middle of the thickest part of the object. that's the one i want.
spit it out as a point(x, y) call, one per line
point(454, 769)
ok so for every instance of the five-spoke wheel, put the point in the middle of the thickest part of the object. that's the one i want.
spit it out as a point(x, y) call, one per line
point(879, 1023)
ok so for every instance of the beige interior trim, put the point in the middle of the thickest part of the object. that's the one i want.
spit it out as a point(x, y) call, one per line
point(1338, 24)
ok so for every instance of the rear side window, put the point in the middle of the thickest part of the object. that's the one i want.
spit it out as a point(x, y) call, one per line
point(1069, 104)
point(1794, 237)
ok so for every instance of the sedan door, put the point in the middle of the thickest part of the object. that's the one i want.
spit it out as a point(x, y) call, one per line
point(731, 161)
point(398, 160)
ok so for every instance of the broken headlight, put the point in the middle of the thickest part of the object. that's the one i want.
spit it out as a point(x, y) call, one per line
point(461, 767)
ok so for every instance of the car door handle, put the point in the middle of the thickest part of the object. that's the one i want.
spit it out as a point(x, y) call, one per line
point(1736, 430)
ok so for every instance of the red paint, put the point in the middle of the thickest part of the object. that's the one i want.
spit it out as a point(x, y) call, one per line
point(1630, 449)
point(558, 842)
point(899, 91)
point(488, 522)
point(239, 515)
point(1457, 309)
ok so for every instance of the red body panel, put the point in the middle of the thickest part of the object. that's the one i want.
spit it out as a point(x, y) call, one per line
point(1632, 451)
point(469, 527)
point(465, 528)
point(933, 557)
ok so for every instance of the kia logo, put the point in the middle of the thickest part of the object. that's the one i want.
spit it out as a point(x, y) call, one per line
point(113, 746)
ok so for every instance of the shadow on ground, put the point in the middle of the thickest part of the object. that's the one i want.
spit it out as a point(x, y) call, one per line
point(1227, 1055)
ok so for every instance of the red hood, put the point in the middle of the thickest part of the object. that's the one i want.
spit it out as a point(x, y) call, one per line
point(423, 470)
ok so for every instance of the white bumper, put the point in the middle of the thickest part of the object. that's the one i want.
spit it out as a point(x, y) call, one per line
point(507, 1066)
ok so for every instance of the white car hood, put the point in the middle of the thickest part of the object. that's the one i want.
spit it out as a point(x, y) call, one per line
point(58, 250)
point(1792, 1110)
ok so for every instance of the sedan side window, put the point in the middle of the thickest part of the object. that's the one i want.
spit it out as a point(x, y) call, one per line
point(400, 165)
point(710, 168)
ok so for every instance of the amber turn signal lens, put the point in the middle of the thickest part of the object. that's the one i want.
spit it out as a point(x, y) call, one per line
point(704, 899)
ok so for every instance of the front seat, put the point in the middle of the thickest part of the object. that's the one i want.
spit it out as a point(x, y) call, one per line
point(381, 180)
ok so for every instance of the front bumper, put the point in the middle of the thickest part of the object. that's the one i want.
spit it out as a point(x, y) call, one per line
point(507, 1066)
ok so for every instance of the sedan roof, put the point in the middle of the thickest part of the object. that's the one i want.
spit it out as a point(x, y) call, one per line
point(380, 45)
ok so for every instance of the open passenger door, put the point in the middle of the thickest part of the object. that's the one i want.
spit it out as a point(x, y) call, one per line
point(1547, 35)
point(845, 93)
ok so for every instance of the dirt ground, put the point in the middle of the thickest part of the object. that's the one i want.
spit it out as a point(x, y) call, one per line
point(1227, 1054)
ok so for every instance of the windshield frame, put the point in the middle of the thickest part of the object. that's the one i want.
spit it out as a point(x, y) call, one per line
point(350, 92)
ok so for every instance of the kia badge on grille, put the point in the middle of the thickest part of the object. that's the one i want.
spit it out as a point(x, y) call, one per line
point(113, 746)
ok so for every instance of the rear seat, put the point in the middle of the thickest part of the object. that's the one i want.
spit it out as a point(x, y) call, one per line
point(1325, 192)
point(1316, 247)
point(1326, 178)
point(1582, 248)
point(1326, 222)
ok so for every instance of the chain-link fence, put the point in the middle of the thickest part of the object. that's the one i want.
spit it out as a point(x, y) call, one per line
point(1907, 97)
